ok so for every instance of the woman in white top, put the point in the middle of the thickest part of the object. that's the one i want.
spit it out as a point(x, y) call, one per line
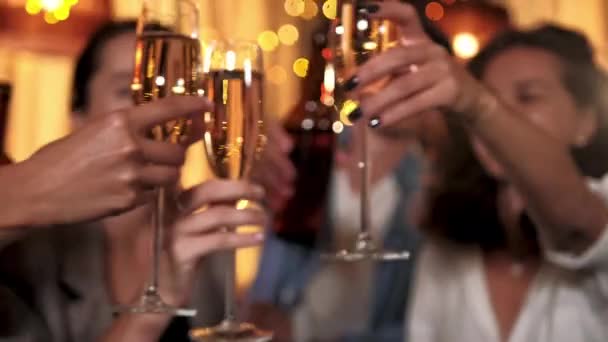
point(518, 248)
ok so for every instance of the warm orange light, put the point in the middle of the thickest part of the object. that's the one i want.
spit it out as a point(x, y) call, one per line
point(330, 9)
point(434, 11)
point(311, 9)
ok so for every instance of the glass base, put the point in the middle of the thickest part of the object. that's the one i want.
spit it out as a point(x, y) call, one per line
point(229, 331)
point(365, 249)
point(152, 303)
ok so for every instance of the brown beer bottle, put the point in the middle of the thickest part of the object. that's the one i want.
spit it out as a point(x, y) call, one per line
point(310, 126)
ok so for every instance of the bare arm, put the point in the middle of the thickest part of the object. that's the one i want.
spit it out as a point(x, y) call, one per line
point(542, 170)
point(571, 215)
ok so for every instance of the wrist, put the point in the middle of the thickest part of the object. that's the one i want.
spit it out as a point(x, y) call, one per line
point(21, 205)
point(482, 106)
point(136, 327)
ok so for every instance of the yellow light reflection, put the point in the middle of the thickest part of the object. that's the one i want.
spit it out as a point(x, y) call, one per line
point(268, 41)
point(33, 7)
point(348, 107)
point(288, 34)
point(62, 13)
point(300, 67)
point(330, 9)
point(295, 8)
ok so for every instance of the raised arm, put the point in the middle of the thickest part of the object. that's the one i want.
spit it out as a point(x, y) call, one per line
point(570, 215)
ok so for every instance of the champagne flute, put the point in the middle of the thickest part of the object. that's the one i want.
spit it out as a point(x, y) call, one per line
point(166, 59)
point(353, 39)
point(233, 137)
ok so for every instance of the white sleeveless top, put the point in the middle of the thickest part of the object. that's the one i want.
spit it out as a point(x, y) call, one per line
point(567, 301)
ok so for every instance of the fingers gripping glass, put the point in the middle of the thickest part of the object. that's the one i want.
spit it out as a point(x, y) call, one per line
point(167, 54)
point(354, 38)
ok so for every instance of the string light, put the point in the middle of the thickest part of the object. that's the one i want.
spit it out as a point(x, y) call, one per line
point(330, 9)
point(288, 34)
point(268, 41)
point(300, 67)
point(295, 8)
point(54, 10)
point(310, 10)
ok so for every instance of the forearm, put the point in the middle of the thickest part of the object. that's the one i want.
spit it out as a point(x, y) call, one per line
point(18, 203)
point(137, 328)
point(543, 171)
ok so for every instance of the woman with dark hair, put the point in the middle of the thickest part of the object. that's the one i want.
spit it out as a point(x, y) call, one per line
point(517, 211)
point(65, 282)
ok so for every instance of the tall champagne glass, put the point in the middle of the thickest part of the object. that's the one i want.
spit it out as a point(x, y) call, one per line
point(233, 137)
point(166, 59)
point(353, 39)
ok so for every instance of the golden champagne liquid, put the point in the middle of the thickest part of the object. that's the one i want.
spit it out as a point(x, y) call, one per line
point(357, 38)
point(165, 65)
point(233, 132)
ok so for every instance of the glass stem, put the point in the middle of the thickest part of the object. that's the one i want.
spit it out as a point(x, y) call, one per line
point(159, 219)
point(229, 304)
point(364, 167)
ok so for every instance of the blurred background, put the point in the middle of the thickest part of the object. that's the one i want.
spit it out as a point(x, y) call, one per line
point(40, 39)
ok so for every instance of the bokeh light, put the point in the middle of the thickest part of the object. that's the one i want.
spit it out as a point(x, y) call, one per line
point(33, 7)
point(268, 40)
point(276, 75)
point(51, 5)
point(295, 8)
point(434, 11)
point(49, 18)
point(347, 107)
point(311, 9)
point(288, 34)
point(300, 67)
point(465, 45)
point(54, 10)
point(330, 9)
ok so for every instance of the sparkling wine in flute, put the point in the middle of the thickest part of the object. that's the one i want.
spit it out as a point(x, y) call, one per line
point(233, 137)
point(233, 134)
point(355, 38)
point(165, 65)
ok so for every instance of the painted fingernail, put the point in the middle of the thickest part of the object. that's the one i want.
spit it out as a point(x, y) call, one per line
point(351, 84)
point(370, 8)
point(355, 115)
point(375, 122)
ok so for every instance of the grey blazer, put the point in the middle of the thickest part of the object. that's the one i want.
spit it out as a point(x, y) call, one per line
point(52, 287)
